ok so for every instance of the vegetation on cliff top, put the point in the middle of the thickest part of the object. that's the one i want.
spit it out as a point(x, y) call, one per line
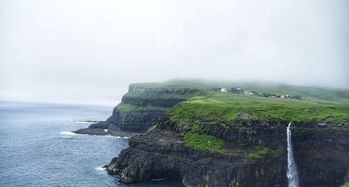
point(129, 108)
point(308, 93)
point(214, 144)
point(224, 108)
point(208, 107)
point(163, 96)
point(163, 85)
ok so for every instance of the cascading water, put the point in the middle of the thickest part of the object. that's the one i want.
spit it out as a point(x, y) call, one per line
point(292, 174)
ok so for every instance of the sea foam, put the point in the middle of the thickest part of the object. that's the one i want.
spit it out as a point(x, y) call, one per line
point(99, 169)
point(69, 133)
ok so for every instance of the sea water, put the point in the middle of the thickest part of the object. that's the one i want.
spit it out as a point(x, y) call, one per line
point(38, 148)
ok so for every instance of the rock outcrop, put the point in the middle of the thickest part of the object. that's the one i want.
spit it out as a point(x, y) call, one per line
point(322, 153)
point(256, 155)
point(139, 109)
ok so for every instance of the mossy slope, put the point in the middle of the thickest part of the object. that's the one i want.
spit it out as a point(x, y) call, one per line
point(224, 108)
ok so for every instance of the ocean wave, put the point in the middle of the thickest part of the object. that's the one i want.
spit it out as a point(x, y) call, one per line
point(99, 169)
point(67, 133)
point(121, 137)
point(70, 133)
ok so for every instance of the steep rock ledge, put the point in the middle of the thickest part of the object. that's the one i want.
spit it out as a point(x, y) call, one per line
point(163, 151)
point(322, 153)
point(157, 155)
point(140, 108)
point(256, 155)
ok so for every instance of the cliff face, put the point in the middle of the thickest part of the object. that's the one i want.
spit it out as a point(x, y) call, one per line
point(208, 138)
point(135, 120)
point(139, 109)
point(321, 152)
point(157, 155)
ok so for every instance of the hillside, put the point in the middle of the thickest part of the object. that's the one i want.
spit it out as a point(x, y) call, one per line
point(316, 94)
point(325, 105)
point(204, 127)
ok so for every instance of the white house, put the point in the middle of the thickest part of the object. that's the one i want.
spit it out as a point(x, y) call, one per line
point(224, 90)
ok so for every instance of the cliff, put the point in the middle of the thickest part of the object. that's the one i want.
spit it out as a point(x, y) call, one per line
point(204, 137)
point(165, 153)
point(201, 159)
point(141, 108)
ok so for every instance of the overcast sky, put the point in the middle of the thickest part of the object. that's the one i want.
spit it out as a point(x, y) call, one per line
point(80, 51)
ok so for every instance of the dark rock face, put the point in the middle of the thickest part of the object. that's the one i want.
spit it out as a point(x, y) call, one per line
point(91, 131)
point(321, 154)
point(177, 91)
point(145, 101)
point(100, 125)
point(321, 150)
point(155, 155)
point(133, 121)
point(269, 133)
point(149, 105)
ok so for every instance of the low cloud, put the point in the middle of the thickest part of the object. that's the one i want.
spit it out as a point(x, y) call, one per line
point(88, 51)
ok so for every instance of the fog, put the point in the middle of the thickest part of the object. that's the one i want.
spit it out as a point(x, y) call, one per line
point(79, 51)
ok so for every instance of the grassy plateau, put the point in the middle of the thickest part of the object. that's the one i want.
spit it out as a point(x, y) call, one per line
point(206, 107)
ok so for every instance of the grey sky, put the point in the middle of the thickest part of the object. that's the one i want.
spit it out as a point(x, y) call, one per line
point(82, 51)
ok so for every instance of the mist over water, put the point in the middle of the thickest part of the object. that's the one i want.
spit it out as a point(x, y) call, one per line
point(88, 52)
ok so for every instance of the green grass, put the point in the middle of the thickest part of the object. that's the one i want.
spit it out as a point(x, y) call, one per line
point(152, 128)
point(204, 142)
point(214, 144)
point(163, 96)
point(316, 94)
point(163, 85)
point(345, 185)
point(129, 108)
point(205, 107)
point(170, 133)
point(261, 151)
point(222, 108)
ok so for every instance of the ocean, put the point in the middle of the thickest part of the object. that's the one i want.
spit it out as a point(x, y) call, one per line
point(37, 147)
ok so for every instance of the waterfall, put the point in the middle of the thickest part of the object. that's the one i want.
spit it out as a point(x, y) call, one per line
point(292, 174)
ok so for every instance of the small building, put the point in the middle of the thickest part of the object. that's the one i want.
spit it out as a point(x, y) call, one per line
point(236, 90)
point(248, 93)
point(269, 95)
point(284, 96)
point(224, 90)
